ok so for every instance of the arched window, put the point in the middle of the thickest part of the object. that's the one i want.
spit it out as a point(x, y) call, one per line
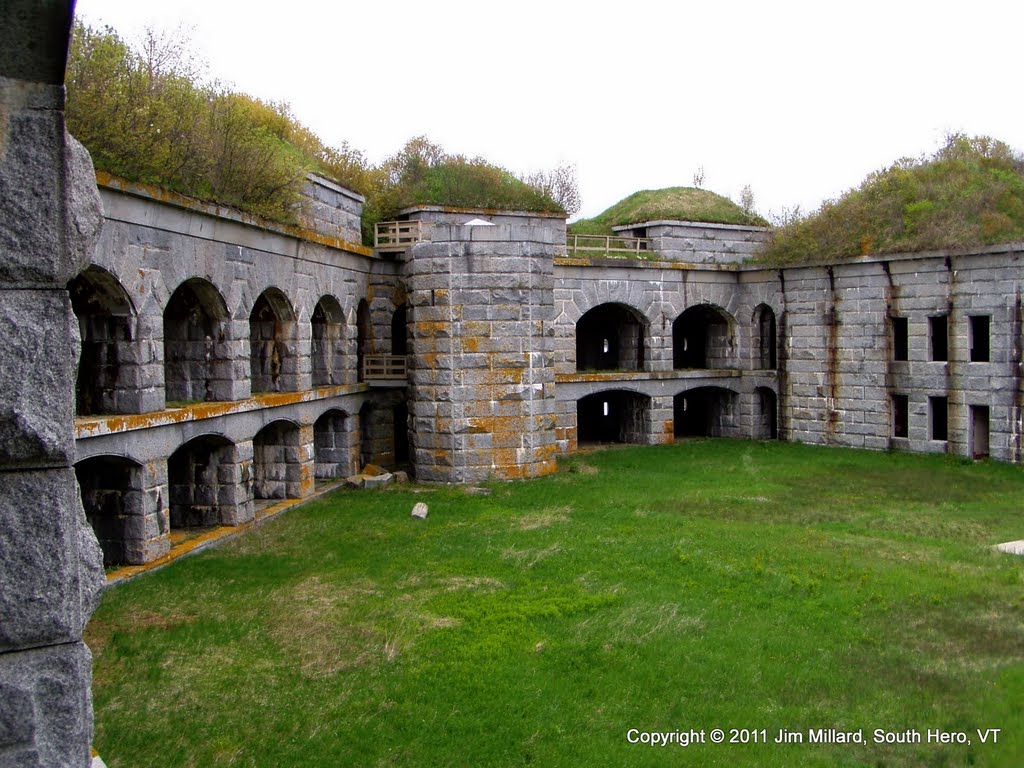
point(106, 322)
point(197, 358)
point(764, 338)
point(702, 337)
point(328, 343)
point(616, 416)
point(611, 337)
point(277, 462)
point(208, 484)
point(272, 344)
point(705, 412)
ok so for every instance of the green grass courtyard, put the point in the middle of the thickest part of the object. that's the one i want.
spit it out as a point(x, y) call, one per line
point(706, 585)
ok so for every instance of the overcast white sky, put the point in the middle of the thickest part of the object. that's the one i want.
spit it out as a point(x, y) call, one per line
point(800, 100)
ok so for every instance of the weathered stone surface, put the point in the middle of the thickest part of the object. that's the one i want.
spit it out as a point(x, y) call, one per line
point(50, 563)
point(36, 410)
point(45, 707)
point(420, 510)
point(50, 214)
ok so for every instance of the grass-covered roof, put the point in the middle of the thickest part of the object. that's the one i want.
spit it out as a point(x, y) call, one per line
point(969, 193)
point(670, 204)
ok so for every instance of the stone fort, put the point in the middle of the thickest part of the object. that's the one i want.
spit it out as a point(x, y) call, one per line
point(177, 365)
point(227, 362)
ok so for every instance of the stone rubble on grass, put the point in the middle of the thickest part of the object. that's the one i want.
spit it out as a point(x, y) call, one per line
point(372, 476)
point(419, 511)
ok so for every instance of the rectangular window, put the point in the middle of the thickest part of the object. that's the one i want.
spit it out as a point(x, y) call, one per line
point(979, 338)
point(938, 335)
point(900, 339)
point(938, 410)
point(900, 416)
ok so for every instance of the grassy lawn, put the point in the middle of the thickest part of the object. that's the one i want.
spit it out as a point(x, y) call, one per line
point(711, 584)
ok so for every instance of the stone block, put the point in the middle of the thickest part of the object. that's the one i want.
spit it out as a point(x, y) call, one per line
point(50, 212)
point(36, 406)
point(51, 567)
point(45, 707)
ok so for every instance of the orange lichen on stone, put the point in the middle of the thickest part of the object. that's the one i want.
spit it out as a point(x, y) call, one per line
point(90, 426)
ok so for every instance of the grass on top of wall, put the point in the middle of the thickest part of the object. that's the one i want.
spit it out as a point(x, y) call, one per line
point(709, 584)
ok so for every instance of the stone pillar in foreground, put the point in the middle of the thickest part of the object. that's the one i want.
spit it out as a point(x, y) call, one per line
point(50, 563)
point(482, 377)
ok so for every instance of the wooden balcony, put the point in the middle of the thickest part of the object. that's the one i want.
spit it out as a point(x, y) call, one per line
point(397, 236)
point(610, 246)
point(385, 370)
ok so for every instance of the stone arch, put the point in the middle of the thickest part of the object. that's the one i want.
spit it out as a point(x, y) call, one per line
point(272, 343)
point(614, 416)
point(611, 337)
point(277, 461)
point(332, 445)
point(328, 342)
point(765, 338)
point(209, 483)
point(197, 348)
point(703, 336)
point(108, 379)
point(705, 412)
point(113, 496)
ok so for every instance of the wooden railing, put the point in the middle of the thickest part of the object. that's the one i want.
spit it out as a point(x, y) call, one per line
point(384, 368)
point(608, 245)
point(394, 236)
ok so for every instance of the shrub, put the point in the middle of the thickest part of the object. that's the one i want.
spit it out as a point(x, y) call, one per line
point(149, 116)
point(969, 192)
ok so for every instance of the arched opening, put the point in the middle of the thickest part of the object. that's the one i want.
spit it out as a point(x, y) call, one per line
point(106, 322)
point(610, 337)
point(277, 462)
point(616, 416)
point(364, 336)
point(400, 331)
point(272, 343)
point(114, 502)
point(208, 484)
point(332, 448)
point(328, 343)
point(705, 412)
point(197, 362)
point(702, 337)
point(766, 421)
point(764, 338)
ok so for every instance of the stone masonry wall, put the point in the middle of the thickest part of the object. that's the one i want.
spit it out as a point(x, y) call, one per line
point(697, 242)
point(841, 369)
